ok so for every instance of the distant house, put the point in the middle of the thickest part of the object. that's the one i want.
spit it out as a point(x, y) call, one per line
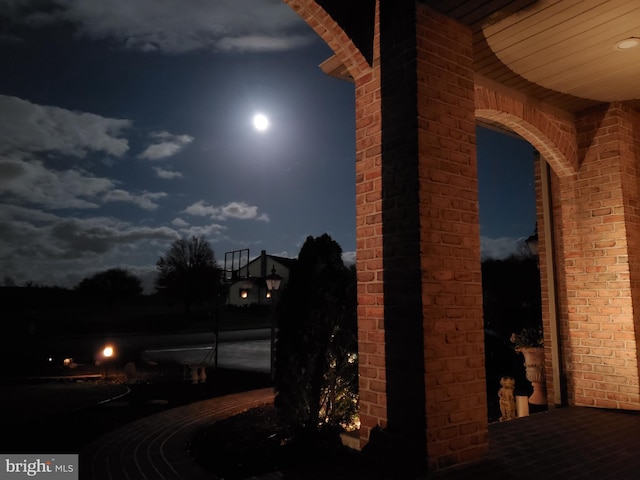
point(248, 286)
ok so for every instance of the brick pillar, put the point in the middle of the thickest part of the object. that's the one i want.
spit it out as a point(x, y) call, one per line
point(450, 244)
point(422, 377)
point(405, 433)
point(600, 223)
point(391, 353)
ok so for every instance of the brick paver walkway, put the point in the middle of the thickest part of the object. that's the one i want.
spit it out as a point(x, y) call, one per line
point(562, 444)
point(155, 447)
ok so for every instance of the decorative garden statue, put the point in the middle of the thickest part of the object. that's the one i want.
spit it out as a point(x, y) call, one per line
point(507, 398)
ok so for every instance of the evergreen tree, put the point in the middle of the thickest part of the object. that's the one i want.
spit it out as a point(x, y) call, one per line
point(316, 362)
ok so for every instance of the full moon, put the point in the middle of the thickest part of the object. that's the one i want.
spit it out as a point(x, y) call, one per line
point(260, 122)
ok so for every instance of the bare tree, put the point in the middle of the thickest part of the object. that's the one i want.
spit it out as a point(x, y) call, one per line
point(188, 271)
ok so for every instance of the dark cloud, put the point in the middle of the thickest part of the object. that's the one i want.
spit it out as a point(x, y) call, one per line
point(173, 26)
point(46, 248)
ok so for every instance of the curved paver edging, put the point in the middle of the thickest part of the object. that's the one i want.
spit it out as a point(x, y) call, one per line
point(155, 447)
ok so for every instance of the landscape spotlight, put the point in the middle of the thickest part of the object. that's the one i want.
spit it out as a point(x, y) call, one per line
point(107, 353)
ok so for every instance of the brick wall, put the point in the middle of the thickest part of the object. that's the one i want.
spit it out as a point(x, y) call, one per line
point(598, 217)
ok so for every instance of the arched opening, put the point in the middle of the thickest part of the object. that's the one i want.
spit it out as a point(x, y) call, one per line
point(510, 274)
point(549, 134)
point(519, 271)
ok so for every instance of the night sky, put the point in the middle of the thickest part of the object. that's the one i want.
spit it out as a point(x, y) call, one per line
point(127, 124)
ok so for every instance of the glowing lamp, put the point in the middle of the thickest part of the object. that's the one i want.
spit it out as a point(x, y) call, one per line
point(273, 280)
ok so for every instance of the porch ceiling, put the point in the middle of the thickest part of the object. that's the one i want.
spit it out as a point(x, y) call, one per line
point(561, 52)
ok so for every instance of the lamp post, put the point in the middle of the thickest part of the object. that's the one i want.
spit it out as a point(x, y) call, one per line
point(273, 285)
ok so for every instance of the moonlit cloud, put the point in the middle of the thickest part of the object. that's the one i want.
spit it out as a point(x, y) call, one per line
point(27, 127)
point(500, 248)
point(176, 26)
point(239, 210)
point(167, 174)
point(260, 43)
point(30, 182)
point(349, 258)
point(30, 133)
point(212, 230)
point(145, 200)
point(167, 146)
point(179, 222)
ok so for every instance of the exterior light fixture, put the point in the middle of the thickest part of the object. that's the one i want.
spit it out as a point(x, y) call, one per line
point(244, 293)
point(273, 280)
point(628, 43)
point(532, 243)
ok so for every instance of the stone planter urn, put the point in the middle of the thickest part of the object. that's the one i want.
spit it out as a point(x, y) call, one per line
point(534, 366)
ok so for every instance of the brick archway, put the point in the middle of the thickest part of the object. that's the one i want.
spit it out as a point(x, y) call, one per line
point(553, 136)
point(332, 34)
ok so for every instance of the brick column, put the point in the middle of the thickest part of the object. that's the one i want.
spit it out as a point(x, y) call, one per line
point(450, 244)
point(422, 378)
point(600, 224)
point(404, 433)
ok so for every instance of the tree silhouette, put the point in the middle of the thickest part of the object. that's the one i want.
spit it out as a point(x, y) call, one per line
point(188, 271)
point(316, 363)
point(511, 294)
point(111, 285)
